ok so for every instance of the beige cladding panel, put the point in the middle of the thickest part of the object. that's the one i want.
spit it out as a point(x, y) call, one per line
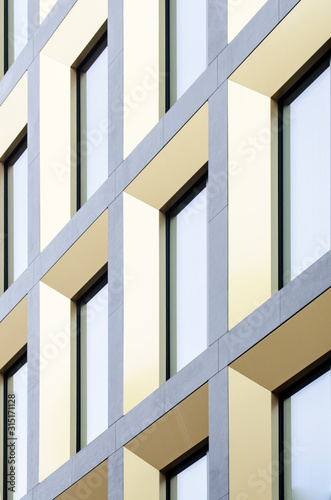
point(55, 158)
point(250, 439)
point(13, 332)
point(249, 201)
point(292, 347)
point(141, 480)
point(281, 54)
point(55, 390)
point(141, 301)
point(175, 433)
point(84, 20)
point(82, 261)
point(175, 165)
point(15, 105)
point(141, 70)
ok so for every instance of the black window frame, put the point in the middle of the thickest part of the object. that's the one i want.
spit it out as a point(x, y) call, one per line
point(9, 162)
point(173, 211)
point(6, 36)
point(307, 378)
point(84, 298)
point(83, 67)
point(21, 361)
point(190, 458)
point(303, 82)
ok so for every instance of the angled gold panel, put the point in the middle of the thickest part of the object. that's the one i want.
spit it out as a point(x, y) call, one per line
point(82, 261)
point(175, 433)
point(287, 48)
point(14, 115)
point(13, 332)
point(93, 486)
point(292, 347)
point(76, 30)
point(175, 165)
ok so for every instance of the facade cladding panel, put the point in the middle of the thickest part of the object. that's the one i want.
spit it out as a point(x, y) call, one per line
point(165, 265)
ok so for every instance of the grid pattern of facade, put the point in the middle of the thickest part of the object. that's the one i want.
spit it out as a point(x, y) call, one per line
point(165, 265)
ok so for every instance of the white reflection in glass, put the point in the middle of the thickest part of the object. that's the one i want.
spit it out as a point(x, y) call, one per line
point(17, 384)
point(17, 27)
point(311, 441)
point(310, 174)
point(96, 117)
point(192, 482)
point(191, 280)
point(97, 365)
point(20, 214)
point(191, 42)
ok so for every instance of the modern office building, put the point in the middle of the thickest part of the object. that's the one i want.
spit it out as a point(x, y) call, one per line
point(165, 264)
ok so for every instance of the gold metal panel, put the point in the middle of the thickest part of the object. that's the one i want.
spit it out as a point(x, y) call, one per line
point(93, 486)
point(175, 433)
point(142, 61)
point(13, 332)
point(54, 389)
point(175, 165)
point(141, 480)
point(82, 261)
point(14, 106)
point(250, 203)
point(281, 54)
point(55, 152)
point(76, 30)
point(240, 13)
point(250, 439)
point(292, 347)
point(141, 301)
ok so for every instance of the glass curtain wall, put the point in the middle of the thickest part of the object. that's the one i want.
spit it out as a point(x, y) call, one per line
point(305, 115)
point(92, 126)
point(187, 278)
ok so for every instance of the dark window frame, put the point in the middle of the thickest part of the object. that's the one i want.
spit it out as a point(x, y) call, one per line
point(9, 162)
point(173, 211)
point(299, 384)
point(298, 88)
point(8, 373)
point(84, 66)
point(83, 299)
point(191, 458)
point(6, 40)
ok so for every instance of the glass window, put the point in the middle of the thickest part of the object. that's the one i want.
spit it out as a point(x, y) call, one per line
point(307, 439)
point(186, 46)
point(92, 356)
point(188, 481)
point(16, 214)
point(15, 431)
point(16, 29)
point(92, 117)
point(187, 278)
point(305, 138)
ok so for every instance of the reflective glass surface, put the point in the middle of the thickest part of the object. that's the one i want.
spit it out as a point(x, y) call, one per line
point(307, 177)
point(307, 425)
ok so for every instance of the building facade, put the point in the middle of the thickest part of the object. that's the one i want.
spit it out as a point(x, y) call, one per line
point(165, 264)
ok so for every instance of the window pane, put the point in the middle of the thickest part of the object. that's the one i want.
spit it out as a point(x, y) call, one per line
point(94, 126)
point(191, 46)
point(17, 27)
point(309, 437)
point(192, 482)
point(95, 367)
point(17, 384)
point(17, 217)
point(191, 281)
point(307, 148)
